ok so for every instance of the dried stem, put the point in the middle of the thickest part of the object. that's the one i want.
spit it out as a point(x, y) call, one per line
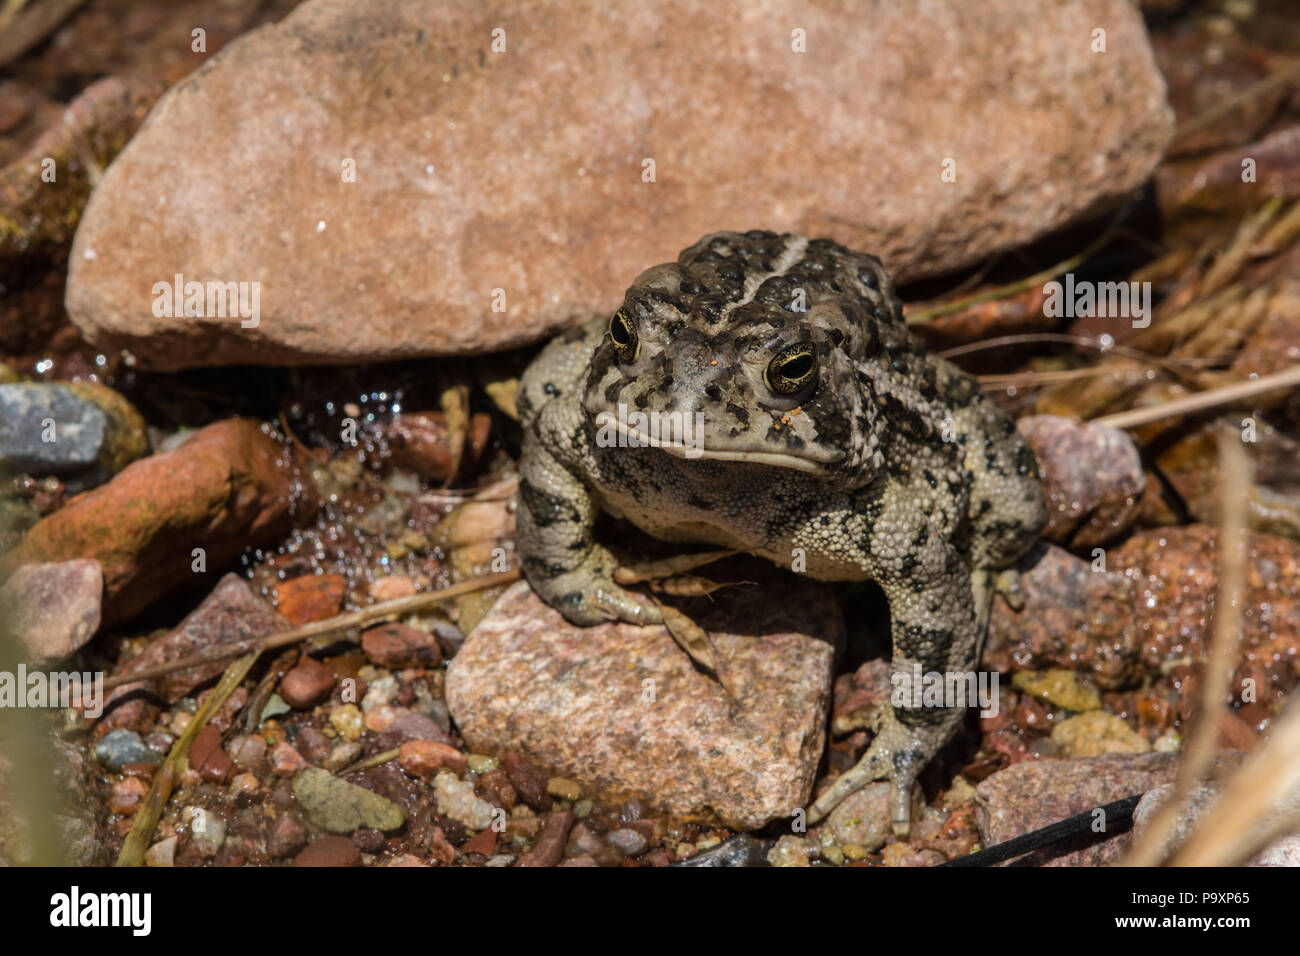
point(1227, 395)
point(341, 622)
point(1234, 476)
point(1231, 831)
point(1038, 278)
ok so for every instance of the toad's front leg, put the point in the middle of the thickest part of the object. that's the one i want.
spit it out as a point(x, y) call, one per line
point(564, 564)
point(936, 626)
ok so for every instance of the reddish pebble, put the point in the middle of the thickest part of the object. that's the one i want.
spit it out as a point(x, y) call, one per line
point(548, 848)
point(484, 844)
point(286, 838)
point(495, 787)
point(311, 597)
point(1235, 733)
point(396, 645)
point(329, 851)
point(424, 758)
point(285, 761)
point(313, 745)
point(127, 795)
point(391, 588)
point(1256, 715)
point(381, 718)
point(528, 780)
point(440, 847)
point(309, 683)
point(249, 752)
point(207, 757)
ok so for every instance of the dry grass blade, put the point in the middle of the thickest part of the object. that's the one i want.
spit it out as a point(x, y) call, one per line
point(496, 491)
point(692, 585)
point(341, 622)
point(1227, 395)
point(1234, 477)
point(1229, 263)
point(694, 640)
point(1037, 279)
point(374, 761)
point(1280, 235)
point(667, 567)
point(1283, 76)
point(146, 818)
point(502, 393)
point(1240, 822)
point(455, 409)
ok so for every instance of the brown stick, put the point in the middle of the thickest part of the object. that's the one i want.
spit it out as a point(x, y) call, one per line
point(340, 622)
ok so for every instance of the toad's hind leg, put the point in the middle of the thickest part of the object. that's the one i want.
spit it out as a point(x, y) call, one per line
point(910, 729)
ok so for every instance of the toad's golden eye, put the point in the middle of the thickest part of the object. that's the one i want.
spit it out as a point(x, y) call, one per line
point(792, 370)
point(623, 334)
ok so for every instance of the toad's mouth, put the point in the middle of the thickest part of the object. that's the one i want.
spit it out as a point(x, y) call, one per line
point(632, 438)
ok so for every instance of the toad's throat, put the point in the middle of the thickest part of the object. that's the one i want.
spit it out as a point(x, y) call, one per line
point(629, 437)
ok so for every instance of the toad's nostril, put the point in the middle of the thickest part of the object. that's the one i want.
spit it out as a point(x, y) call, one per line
point(713, 392)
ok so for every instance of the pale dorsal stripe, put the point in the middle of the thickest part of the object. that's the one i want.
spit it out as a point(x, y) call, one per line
point(793, 252)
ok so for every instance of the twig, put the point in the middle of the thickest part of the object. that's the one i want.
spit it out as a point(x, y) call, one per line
point(1226, 395)
point(341, 622)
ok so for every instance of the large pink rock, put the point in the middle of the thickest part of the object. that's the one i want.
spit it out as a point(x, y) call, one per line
point(622, 710)
point(525, 170)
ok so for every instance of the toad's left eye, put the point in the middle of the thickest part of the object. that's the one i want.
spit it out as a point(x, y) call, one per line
point(623, 334)
point(793, 368)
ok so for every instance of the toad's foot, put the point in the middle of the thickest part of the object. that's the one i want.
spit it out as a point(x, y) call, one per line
point(898, 753)
point(587, 595)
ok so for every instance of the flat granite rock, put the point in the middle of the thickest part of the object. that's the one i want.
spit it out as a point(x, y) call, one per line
point(448, 177)
point(622, 710)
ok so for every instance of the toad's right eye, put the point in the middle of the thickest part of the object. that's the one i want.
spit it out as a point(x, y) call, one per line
point(623, 334)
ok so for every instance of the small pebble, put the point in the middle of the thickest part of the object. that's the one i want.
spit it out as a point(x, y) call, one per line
point(329, 851)
point(381, 692)
point(243, 783)
point(162, 853)
point(207, 830)
point(627, 841)
point(347, 720)
point(790, 850)
point(456, 799)
point(287, 837)
point(343, 755)
point(285, 761)
point(379, 719)
point(120, 747)
point(424, 758)
point(127, 795)
point(248, 752)
point(564, 788)
point(309, 683)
